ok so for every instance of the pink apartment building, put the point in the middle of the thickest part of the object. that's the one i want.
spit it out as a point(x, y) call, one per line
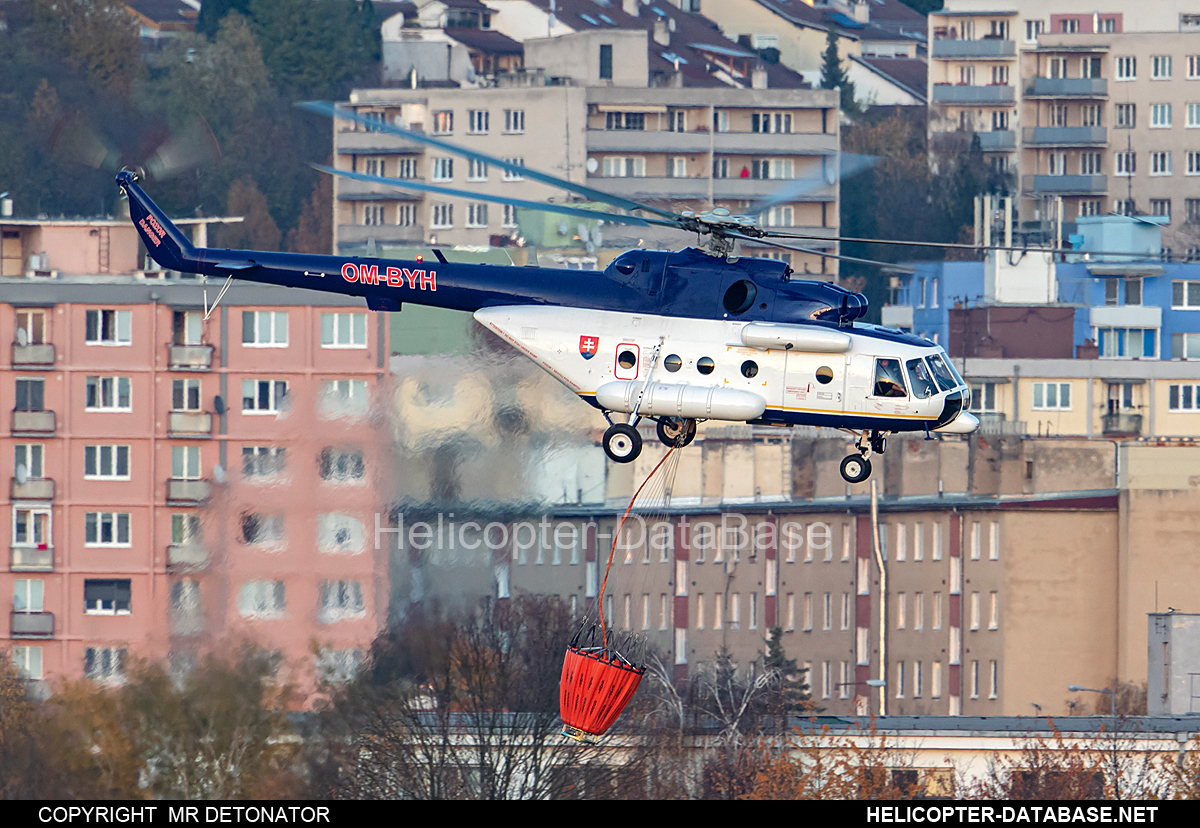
point(180, 482)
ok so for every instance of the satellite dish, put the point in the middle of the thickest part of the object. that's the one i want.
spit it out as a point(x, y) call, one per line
point(219, 473)
point(591, 248)
point(22, 337)
point(597, 239)
point(583, 232)
point(219, 404)
point(562, 228)
point(592, 165)
point(22, 473)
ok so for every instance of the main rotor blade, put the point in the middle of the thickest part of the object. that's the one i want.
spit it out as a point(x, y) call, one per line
point(322, 108)
point(957, 245)
point(889, 265)
point(577, 212)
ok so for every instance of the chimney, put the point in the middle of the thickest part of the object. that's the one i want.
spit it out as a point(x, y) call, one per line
point(661, 34)
point(862, 12)
point(758, 78)
point(630, 7)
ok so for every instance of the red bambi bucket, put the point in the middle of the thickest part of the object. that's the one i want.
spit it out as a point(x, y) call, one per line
point(593, 692)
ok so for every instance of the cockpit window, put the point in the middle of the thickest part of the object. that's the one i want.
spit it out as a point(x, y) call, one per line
point(945, 380)
point(920, 379)
point(889, 378)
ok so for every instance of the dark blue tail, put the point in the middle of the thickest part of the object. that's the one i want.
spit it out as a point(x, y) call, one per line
point(165, 242)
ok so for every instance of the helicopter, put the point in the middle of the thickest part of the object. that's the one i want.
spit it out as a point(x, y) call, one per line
point(674, 338)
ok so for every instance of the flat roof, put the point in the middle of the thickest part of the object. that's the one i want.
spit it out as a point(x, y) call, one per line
point(183, 293)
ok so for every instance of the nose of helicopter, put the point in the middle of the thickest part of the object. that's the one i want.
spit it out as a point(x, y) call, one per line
point(964, 423)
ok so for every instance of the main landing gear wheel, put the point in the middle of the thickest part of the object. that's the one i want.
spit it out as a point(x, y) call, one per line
point(676, 432)
point(622, 443)
point(856, 468)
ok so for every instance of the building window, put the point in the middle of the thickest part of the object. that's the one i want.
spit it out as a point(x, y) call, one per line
point(606, 61)
point(1193, 115)
point(827, 615)
point(625, 120)
point(341, 465)
point(343, 330)
point(901, 610)
point(264, 396)
point(1089, 163)
point(477, 214)
point(720, 168)
point(994, 542)
point(677, 167)
point(185, 528)
point(477, 170)
point(443, 216)
point(1126, 163)
point(105, 664)
point(28, 595)
point(104, 463)
point(1032, 29)
point(918, 611)
point(1126, 68)
point(262, 599)
point(1183, 398)
point(406, 215)
point(265, 329)
point(863, 645)
point(808, 612)
point(1193, 162)
point(108, 596)
point(443, 122)
point(1091, 206)
point(443, 169)
point(31, 527)
point(372, 215)
point(509, 219)
point(1161, 207)
point(784, 216)
point(108, 327)
point(31, 327)
point(677, 121)
point(343, 398)
point(108, 394)
point(993, 611)
point(262, 461)
point(1185, 295)
point(1051, 396)
point(185, 463)
point(478, 121)
point(106, 529)
point(974, 679)
point(337, 666)
point(974, 610)
point(1068, 25)
point(1160, 116)
point(31, 455)
point(616, 166)
point(937, 610)
point(1160, 67)
point(28, 661)
point(1160, 163)
point(771, 122)
point(511, 174)
point(845, 611)
point(340, 600)
point(185, 395)
point(259, 528)
point(406, 168)
point(1126, 116)
point(1125, 342)
point(514, 120)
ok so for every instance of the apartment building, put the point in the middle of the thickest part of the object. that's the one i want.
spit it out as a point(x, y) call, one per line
point(181, 481)
point(654, 110)
point(1053, 94)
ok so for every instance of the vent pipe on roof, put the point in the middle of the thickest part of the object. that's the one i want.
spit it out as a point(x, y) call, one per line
point(630, 7)
point(661, 35)
point(758, 78)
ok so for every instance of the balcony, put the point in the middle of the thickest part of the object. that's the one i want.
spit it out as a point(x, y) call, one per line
point(33, 423)
point(672, 143)
point(655, 141)
point(187, 623)
point(376, 143)
point(897, 316)
point(1125, 316)
point(187, 492)
point(995, 423)
point(32, 558)
point(1121, 425)
point(1079, 136)
point(1065, 184)
point(944, 93)
point(189, 424)
point(998, 140)
point(190, 357)
point(32, 357)
point(1067, 88)
point(186, 556)
point(31, 625)
point(381, 233)
point(35, 488)
point(351, 189)
point(747, 189)
point(946, 49)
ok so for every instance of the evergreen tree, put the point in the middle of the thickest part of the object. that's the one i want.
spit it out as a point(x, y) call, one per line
point(793, 685)
point(833, 76)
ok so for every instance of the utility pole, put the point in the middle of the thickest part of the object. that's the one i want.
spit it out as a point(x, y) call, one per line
point(882, 564)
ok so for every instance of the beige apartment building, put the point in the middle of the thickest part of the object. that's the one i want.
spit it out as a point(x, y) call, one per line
point(680, 147)
point(1087, 107)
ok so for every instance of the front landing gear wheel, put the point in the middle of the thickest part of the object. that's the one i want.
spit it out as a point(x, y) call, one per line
point(622, 443)
point(676, 431)
point(856, 468)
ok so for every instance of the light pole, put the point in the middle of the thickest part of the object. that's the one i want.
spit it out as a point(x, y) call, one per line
point(881, 683)
point(1112, 697)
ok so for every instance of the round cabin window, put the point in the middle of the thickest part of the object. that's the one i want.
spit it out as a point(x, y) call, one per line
point(627, 359)
point(749, 369)
point(739, 296)
point(824, 375)
point(705, 365)
point(673, 363)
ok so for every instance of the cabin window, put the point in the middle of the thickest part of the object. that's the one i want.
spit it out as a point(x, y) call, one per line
point(889, 379)
point(824, 375)
point(705, 365)
point(920, 378)
point(673, 363)
point(749, 369)
point(627, 359)
point(739, 297)
point(944, 376)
